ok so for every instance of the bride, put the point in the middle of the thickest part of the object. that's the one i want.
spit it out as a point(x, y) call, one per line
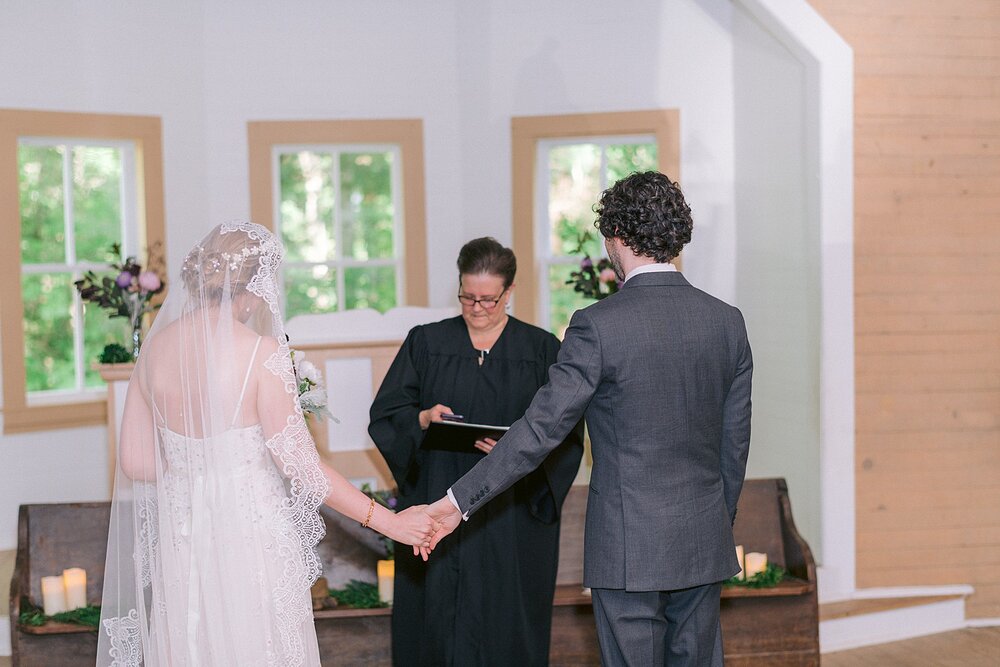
point(214, 519)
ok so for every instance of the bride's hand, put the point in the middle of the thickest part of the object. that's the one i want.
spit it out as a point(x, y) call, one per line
point(412, 526)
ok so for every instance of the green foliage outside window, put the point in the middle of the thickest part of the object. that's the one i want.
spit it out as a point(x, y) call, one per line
point(311, 205)
point(575, 183)
point(48, 296)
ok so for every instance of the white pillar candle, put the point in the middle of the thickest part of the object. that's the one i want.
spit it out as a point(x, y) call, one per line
point(756, 562)
point(739, 557)
point(75, 581)
point(53, 595)
point(386, 580)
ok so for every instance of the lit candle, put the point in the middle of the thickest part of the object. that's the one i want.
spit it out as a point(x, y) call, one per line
point(756, 562)
point(386, 579)
point(75, 581)
point(53, 595)
point(739, 557)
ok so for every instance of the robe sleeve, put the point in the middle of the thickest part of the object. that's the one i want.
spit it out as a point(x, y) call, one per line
point(551, 482)
point(395, 423)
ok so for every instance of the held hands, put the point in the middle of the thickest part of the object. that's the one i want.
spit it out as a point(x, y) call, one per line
point(415, 527)
point(446, 517)
point(432, 415)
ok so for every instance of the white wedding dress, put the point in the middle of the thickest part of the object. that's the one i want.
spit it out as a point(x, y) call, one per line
point(214, 521)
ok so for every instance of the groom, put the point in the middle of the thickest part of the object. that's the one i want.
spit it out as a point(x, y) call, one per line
point(662, 371)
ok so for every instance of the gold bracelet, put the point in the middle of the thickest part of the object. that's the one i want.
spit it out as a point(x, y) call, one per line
point(371, 508)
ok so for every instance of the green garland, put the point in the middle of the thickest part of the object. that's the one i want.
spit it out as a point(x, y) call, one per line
point(772, 576)
point(358, 594)
point(89, 616)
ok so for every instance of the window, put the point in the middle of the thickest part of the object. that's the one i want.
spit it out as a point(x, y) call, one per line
point(561, 165)
point(575, 172)
point(346, 197)
point(339, 219)
point(75, 203)
point(82, 183)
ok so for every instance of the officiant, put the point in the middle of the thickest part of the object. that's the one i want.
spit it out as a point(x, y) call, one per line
point(485, 596)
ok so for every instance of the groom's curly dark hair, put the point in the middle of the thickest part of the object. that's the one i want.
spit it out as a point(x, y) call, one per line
point(647, 211)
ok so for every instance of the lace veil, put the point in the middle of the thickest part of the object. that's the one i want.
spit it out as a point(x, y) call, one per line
point(214, 517)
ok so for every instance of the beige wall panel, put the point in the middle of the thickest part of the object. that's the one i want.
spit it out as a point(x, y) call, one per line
point(873, 26)
point(958, 322)
point(873, 267)
point(869, 381)
point(920, 65)
point(939, 86)
point(927, 282)
point(932, 342)
point(834, 9)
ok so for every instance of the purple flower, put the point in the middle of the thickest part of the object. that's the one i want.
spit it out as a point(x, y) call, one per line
point(586, 263)
point(124, 279)
point(148, 281)
point(392, 502)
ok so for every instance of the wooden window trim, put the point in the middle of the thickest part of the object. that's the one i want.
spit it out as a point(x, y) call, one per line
point(145, 132)
point(408, 134)
point(527, 131)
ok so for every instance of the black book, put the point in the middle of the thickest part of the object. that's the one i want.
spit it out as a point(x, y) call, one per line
point(452, 436)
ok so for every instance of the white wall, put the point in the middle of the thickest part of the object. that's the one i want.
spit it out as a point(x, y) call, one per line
point(465, 67)
point(522, 58)
point(134, 58)
point(777, 269)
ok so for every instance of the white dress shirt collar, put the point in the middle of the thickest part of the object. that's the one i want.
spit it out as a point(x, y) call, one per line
point(650, 268)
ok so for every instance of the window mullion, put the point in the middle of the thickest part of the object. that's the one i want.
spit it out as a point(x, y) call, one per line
point(79, 354)
point(338, 221)
point(127, 184)
point(398, 240)
point(69, 246)
point(603, 184)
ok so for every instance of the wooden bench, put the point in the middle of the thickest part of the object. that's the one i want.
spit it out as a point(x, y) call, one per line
point(51, 538)
point(777, 626)
point(764, 626)
point(54, 537)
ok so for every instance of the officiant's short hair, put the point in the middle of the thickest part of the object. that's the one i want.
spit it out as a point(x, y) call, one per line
point(487, 255)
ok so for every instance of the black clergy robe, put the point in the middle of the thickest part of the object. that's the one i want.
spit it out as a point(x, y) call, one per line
point(485, 595)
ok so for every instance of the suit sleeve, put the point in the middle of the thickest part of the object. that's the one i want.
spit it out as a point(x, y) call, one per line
point(553, 413)
point(736, 422)
point(553, 479)
point(395, 423)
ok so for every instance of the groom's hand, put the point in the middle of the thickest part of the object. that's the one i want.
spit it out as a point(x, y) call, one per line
point(446, 516)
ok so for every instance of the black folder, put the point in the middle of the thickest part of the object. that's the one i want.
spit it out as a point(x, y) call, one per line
point(459, 436)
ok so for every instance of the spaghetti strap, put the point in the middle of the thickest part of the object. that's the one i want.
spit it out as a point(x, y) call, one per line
point(246, 379)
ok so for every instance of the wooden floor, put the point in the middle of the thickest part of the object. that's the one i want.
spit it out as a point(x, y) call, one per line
point(962, 648)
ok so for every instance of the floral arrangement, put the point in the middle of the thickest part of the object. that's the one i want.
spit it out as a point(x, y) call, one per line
point(128, 294)
point(309, 381)
point(593, 280)
point(389, 500)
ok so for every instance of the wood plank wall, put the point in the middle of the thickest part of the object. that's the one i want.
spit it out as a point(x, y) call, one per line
point(927, 291)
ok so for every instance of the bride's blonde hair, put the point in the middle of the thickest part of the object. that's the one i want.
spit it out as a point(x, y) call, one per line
point(225, 258)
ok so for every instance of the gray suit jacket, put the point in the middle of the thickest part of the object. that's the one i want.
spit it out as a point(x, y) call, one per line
point(662, 371)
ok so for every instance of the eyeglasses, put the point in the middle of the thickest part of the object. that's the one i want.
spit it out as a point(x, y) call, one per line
point(488, 303)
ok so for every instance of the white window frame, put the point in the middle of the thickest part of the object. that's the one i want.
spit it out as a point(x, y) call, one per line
point(339, 263)
point(129, 243)
point(544, 259)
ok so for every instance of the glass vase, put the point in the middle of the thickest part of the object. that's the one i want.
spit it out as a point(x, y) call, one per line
point(136, 337)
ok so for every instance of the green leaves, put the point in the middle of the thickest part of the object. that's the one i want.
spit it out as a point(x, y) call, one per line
point(358, 594)
point(772, 576)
